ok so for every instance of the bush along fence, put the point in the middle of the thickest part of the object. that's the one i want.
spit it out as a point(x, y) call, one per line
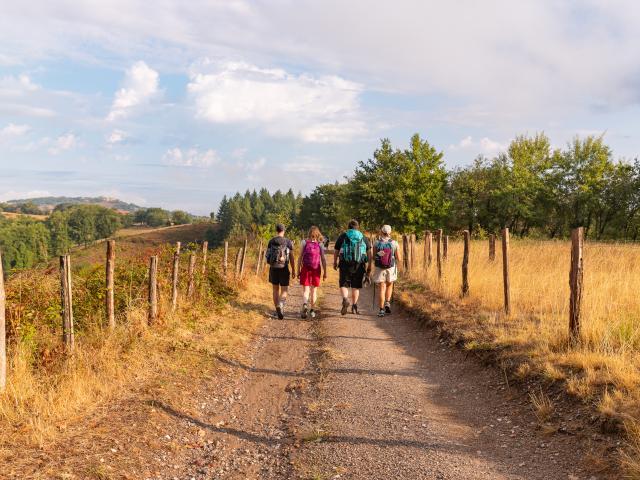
point(576, 267)
point(118, 287)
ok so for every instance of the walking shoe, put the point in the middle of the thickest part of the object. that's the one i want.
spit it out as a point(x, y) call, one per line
point(280, 311)
point(381, 312)
point(305, 310)
point(345, 306)
point(312, 313)
point(354, 308)
point(387, 308)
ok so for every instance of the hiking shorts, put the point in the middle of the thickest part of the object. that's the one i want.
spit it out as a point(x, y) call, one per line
point(384, 275)
point(352, 274)
point(280, 276)
point(310, 277)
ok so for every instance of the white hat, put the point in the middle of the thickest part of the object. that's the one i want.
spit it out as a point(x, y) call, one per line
point(386, 229)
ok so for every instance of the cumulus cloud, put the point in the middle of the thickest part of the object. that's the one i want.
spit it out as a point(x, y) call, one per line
point(191, 157)
point(13, 130)
point(63, 143)
point(140, 86)
point(485, 146)
point(312, 108)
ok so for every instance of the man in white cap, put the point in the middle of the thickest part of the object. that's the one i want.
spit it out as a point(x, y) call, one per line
point(385, 254)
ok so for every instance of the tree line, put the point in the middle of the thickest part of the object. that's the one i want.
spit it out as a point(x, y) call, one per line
point(532, 188)
point(25, 241)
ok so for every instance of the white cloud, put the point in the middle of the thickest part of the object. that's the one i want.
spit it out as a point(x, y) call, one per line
point(313, 109)
point(307, 165)
point(13, 130)
point(253, 165)
point(63, 143)
point(140, 86)
point(191, 157)
point(484, 146)
point(116, 136)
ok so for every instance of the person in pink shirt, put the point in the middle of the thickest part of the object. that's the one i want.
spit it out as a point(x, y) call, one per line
point(311, 266)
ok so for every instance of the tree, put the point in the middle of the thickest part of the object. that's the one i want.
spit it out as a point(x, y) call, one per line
point(403, 188)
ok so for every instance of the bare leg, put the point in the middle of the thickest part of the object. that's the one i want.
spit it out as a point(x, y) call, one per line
point(314, 296)
point(355, 294)
point(389, 292)
point(283, 294)
point(382, 287)
point(345, 292)
point(305, 294)
point(276, 294)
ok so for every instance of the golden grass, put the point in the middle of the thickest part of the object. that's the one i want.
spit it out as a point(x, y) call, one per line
point(605, 366)
point(48, 390)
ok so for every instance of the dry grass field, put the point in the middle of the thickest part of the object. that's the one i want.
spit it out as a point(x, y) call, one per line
point(604, 368)
point(48, 390)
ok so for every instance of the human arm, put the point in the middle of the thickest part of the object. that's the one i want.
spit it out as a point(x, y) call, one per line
point(292, 261)
point(301, 254)
point(336, 251)
point(323, 261)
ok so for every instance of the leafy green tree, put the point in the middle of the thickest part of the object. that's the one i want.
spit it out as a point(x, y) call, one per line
point(403, 188)
point(180, 217)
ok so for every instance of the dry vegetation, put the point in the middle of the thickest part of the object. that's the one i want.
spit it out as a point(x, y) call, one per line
point(48, 390)
point(604, 368)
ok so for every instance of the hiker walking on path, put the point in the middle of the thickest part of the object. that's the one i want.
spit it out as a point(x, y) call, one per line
point(279, 256)
point(385, 273)
point(353, 250)
point(311, 265)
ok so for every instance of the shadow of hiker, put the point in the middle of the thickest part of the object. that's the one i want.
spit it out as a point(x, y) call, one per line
point(347, 439)
point(284, 373)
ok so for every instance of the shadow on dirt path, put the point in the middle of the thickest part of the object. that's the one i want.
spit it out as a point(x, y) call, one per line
point(419, 409)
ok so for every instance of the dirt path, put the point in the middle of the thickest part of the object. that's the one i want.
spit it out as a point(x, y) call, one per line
point(395, 403)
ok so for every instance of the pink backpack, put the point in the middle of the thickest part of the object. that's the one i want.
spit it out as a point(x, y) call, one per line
point(311, 255)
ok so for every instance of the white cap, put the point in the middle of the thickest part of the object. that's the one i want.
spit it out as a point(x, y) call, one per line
point(386, 229)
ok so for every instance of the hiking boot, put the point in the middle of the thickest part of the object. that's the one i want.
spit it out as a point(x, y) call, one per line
point(345, 306)
point(354, 308)
point(387, 308)
point(381, 312)
point(305, 310)
point(280, 311)
point(312, 313)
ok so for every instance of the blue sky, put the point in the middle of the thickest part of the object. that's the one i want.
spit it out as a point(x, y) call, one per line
point(179, 104)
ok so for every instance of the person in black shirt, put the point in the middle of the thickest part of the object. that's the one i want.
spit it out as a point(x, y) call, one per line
point(279, 255)
point(353, 250)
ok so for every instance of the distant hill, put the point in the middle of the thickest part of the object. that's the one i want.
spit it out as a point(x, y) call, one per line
point(46, 204)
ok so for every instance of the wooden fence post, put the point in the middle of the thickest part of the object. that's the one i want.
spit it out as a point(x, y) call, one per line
point(3, 333)
point(439, 253)
point(174, 277)
point(465, 265)
point(405, 253)
point(110, 300)
point(225, 258)
point(445, 247)
point(412, 244)
point(429, 248)
point(205, 250)
point(492, 247)
point(259, 260)
point(243, 259)
point(153, 289)
point(505, 269)
point(237, 264)
point(66, 302)
point(576, 275)
point(191, 275)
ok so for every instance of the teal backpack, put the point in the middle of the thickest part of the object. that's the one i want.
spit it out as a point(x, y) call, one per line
point(353, 248)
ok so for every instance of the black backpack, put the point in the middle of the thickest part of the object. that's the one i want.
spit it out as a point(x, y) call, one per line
point(278, 253)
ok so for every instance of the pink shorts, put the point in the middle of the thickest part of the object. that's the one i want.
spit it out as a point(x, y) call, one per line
point(310, 278)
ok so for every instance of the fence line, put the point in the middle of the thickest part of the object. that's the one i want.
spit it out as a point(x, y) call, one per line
point(505, 270)
point(576, 275)
point(174, 278)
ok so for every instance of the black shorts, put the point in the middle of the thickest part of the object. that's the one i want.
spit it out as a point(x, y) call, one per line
point(352, 274)
point(280, 276)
